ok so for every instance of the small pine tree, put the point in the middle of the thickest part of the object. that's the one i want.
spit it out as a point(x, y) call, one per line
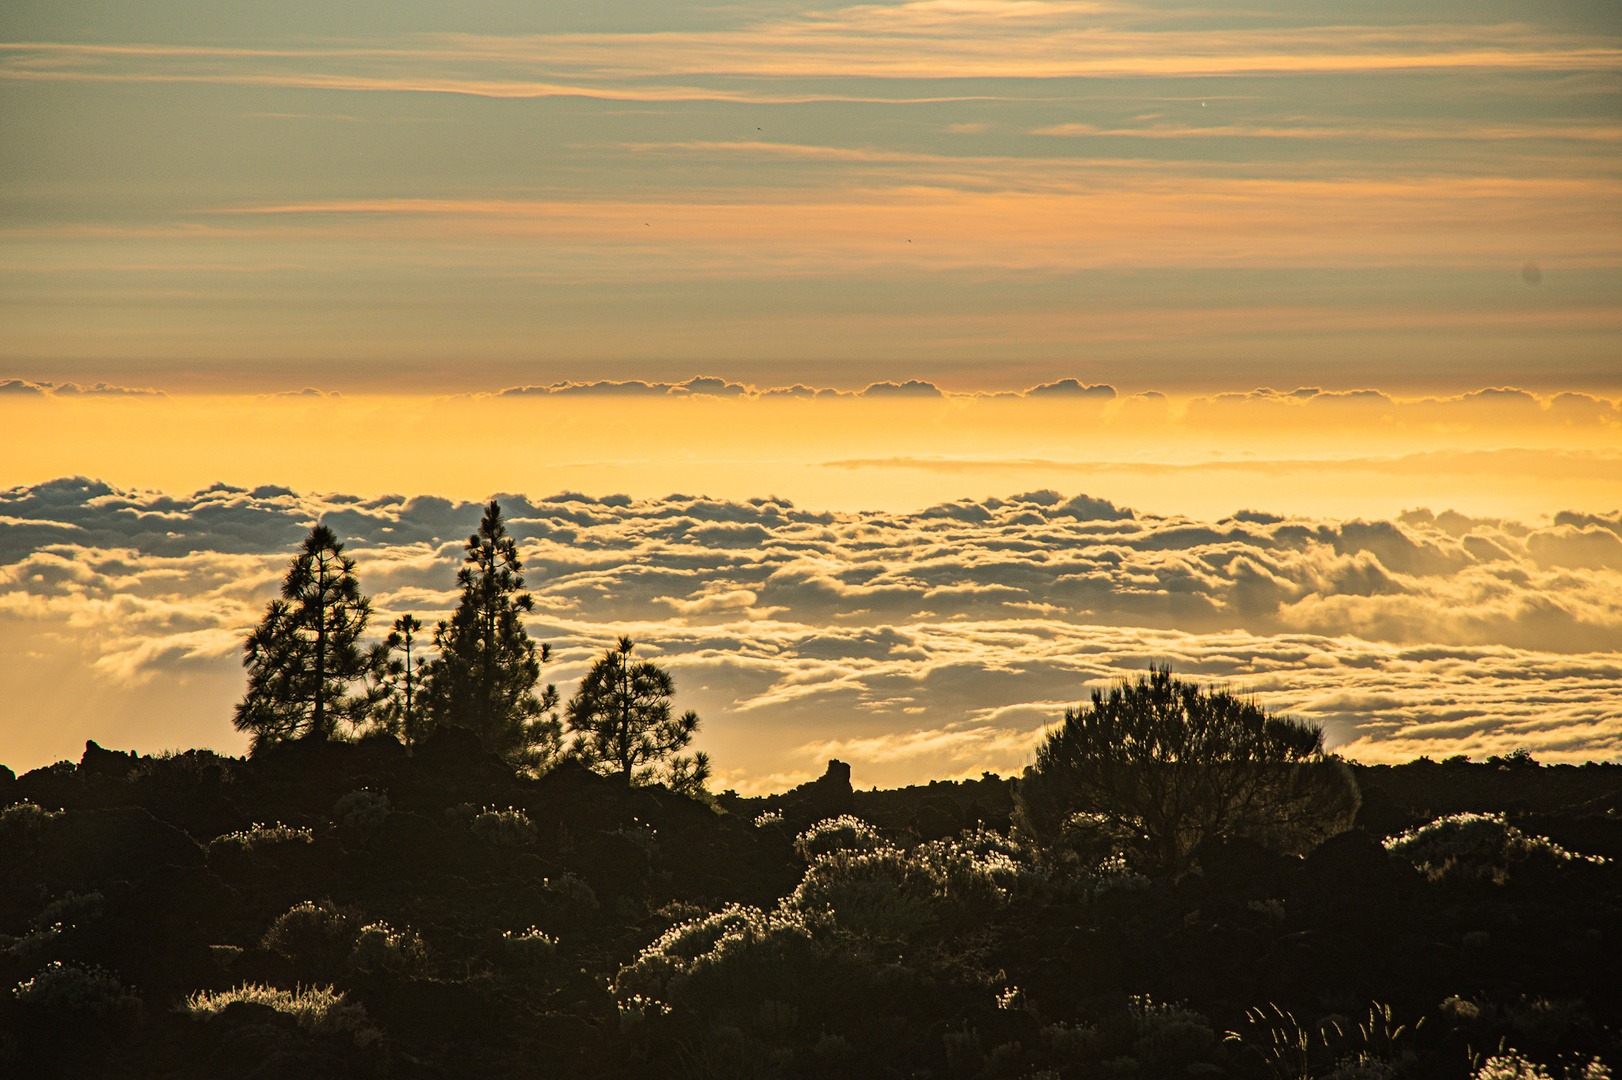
point(304, 653)
point(488, 666)
point(621, 723)
point(399, 711)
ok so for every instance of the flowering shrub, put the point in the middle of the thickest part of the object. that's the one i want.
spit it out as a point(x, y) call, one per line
point(739, 944)
point(504, 828)
point(70, 988)
point(362, 810)
point(314, 935)
point(844, 833)
point(380, 947)
point(1512, 1066)
point(884, 891)
point(317, 1009)
point(1476, 845)
point(24, 821)
point(769, 819)
point(528, 946)
point(256, 838)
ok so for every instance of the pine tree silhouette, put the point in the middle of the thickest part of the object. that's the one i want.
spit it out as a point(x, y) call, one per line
point(621, 721)
point(303, 655)
point(488, 666)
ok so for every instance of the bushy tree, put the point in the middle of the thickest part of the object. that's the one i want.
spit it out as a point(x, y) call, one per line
point(622, 724)
point(304, 654)
point(1161, 765)
point(488, 667)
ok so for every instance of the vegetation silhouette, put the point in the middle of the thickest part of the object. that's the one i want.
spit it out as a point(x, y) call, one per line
point(485, 676)
point(1162, 765)
point(397, 709)
point(622, 724)
point(305, 652)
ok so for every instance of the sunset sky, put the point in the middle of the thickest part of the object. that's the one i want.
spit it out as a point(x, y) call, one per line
point(917, 275)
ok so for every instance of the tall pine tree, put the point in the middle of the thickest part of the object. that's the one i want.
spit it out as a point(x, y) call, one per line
point(304, 653)
point(488, 667)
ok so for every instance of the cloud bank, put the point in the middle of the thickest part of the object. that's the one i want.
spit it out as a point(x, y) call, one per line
point(913, 645)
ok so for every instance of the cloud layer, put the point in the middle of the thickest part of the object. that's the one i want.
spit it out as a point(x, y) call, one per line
point(914, 645)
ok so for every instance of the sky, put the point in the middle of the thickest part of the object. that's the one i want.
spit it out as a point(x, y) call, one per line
point(791, 330)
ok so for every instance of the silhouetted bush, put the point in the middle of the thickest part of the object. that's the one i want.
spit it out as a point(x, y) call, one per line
point(73, 988)
point(317, 937)
point(362, 810)
point(245, 842)
point(380, 947)
point(503, 828)
point(1166, 764)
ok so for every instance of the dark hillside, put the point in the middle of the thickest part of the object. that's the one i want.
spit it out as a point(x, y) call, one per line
point(344, 910)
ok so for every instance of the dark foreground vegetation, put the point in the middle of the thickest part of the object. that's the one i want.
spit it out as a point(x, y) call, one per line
point(347, 909)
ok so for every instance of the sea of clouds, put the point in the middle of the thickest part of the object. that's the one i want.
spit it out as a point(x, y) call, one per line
point(927, 644)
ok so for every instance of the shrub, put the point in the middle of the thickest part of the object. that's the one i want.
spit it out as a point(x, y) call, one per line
point(60, 916)
point(738, 950)
point(319, 936)
point(528, 946)
point(362, 810)
point(380, 947)
point(1171, 763)
point(845, 833)
point(256, 838)
point(1475, 845)
point(317, 1009)
point(1510, 1065)
point(183, 770)
point(24, 821)
point(504, 828)
point(574, 890)
point(71, 988)
point(769, 819)
point(883, 892)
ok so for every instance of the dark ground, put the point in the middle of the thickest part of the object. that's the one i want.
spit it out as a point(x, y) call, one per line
point(1042, 979)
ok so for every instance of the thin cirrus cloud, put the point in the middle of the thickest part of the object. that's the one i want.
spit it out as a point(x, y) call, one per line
point(871, 42)
point(912, 644)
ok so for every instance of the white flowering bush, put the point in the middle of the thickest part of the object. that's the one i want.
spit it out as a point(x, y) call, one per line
point(734, 950)
point(380, 947)
point(844, 833)
point(257, 837)
point(884, 892)
point(319, 1010)
point(314, 935)
point(504, 828)
point(73, 988)
point(1510, 1065)
point(528, 946)
point(1475, 844)
point(769, 819)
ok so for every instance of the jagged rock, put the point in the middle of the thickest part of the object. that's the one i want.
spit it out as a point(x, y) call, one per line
point(105, 764)
point(829, 795)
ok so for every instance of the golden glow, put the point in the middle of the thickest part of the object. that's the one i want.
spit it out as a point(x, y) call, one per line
point(1203, 457)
